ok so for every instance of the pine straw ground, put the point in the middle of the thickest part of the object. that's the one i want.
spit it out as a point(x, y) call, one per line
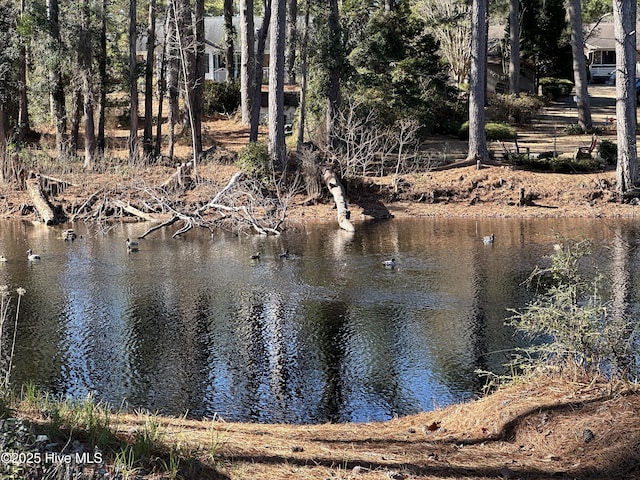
point(543, 428)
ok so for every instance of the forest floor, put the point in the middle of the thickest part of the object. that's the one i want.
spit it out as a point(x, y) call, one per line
point(545, 427)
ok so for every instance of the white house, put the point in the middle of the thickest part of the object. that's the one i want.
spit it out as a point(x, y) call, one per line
point(600, 50)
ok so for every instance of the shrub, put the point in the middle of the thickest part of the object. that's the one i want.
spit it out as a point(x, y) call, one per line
point(494, 131)
point(571, 323)
point(608, 152)
point(556, 164)
point(512, 109)
point(573, 129)
point(254, 161)
point(221, 97)
point(555, 87)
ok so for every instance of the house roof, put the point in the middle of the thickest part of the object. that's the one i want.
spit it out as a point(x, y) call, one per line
point(601, 36)
point(214, 33)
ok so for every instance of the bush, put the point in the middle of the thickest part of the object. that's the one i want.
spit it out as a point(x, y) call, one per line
point(556, 164)
point(569, 321)
point(221, 97)
point(512, 109)
point(555, 87)
point(494, 131)
point(608, 152)
point(255, 162)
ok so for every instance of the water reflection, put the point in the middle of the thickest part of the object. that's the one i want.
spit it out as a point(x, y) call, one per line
point(193, 325)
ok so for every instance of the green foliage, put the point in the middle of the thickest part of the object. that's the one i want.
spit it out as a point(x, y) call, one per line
point(545, 39)
point(556, 164)
point(608, 152)
point(493, 131)
point(255, 162)
point(555, 87)
point(571, 323)
point(221, 97)
point(573, 129)
point(511, 109)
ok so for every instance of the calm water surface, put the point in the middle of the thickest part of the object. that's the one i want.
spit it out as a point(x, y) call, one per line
point(193, 325)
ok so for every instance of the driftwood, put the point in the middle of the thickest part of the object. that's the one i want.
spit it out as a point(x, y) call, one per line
point(337, 191)
point(40, 201)
point(134, 211)
point(181, 179)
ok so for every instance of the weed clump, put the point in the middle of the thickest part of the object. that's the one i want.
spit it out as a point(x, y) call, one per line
point(570, 322)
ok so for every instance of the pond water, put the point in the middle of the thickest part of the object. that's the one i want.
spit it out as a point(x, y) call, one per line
point(328, 334)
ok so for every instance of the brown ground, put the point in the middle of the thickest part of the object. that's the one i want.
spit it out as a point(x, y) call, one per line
point(544, 428)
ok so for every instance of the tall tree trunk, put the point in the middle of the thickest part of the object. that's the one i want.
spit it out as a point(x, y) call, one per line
point(247, 59)
point(514, 47)
point(303, 82)
point(477, 82)
point(87, 91)
point(230, 35)
point(4, 160)
point(133, 83)
point(23, 110)
point(173, 78)
point(333, 89)
point(147, 138)
point(102, 73)
point(162, 80)
point(198, 83)
point(76, 115)
point(276, 83)
point(291, 41)
point(55, 79)
point(579, 66)
point(624, 18)
point(257, 91)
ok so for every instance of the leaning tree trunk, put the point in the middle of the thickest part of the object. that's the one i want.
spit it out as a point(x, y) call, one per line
point(276, 84)
point(247, 59)
point(198, 84)
point(579, 66)
point(337, 192)
point(477, 83)
point(624, 17)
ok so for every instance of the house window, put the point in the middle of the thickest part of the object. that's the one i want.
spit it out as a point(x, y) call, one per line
point(609, 57)
point(207, 63)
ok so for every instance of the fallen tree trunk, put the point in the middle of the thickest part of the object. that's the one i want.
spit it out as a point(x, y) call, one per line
point(40, 201)
point(134, 211)
point(337, 191)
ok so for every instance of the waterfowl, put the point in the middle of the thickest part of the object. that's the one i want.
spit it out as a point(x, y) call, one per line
point(132, 245)
point(488, 240)
point(389, 263)
point(255, 256)
point(69, 235)
point(32, 256)
point(285, 254)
